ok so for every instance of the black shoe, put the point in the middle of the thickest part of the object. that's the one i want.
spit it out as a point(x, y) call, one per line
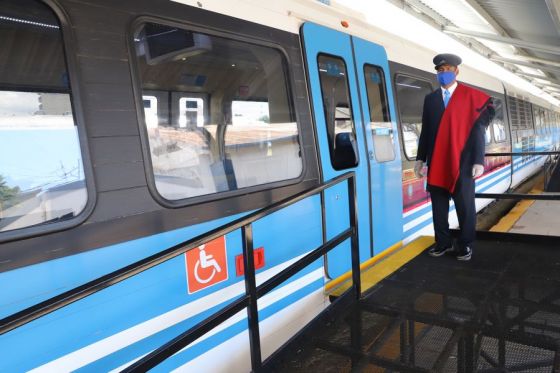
point(465, 254)
point(437, 251)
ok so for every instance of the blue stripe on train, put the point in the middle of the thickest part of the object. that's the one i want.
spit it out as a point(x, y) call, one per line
point(264, 314)
point(146, 345)
point(424, 223)
point(107, 313)
point(427, 209)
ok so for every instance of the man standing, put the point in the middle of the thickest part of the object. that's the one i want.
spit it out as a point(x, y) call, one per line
point(451, 144)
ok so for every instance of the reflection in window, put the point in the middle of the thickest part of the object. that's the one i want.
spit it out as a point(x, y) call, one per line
point(225, 113)
point(41, 170)
point(499, 132)
point(497, 124)
point(150, 111)
point(410, 99)
point(191, 112)
point(338, 112)
point(380, 122)
point(487, 136)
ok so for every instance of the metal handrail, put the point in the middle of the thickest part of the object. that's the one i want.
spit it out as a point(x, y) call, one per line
point(253, 292)
point(507, 154)
point(519, 196)
point(539, 197)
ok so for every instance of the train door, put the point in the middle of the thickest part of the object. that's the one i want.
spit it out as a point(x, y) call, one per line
point(380, 130)
point(344, 143)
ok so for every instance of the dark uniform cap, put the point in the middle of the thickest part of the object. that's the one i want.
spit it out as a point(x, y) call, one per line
point(447, 58)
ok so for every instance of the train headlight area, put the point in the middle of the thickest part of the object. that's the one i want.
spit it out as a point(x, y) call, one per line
point(233, 186)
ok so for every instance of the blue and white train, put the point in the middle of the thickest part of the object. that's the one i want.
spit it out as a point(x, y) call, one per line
point(129, 127)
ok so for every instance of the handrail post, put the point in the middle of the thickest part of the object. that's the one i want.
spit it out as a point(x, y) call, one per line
point(251, 290)
point(354, 245)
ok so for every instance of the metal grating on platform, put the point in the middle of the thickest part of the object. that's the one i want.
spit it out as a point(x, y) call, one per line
point(500, 312)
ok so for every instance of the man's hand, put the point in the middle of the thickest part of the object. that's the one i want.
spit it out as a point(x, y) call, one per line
point(477, 170)
point(418, 169)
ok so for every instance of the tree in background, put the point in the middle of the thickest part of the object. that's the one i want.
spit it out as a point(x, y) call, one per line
point(6, 193)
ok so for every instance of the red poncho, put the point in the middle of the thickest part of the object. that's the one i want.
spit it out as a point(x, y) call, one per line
point(463, 110)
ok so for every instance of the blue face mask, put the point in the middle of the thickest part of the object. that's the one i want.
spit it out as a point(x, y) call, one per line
point(445, 77)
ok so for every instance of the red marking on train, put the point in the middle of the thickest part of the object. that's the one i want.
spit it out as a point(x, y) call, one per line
point(258, 255)
point(206, 265)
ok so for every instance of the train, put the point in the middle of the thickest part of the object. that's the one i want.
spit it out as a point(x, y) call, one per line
point(129, 127)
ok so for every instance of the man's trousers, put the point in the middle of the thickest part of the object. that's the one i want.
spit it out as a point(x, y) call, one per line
point(463, 197)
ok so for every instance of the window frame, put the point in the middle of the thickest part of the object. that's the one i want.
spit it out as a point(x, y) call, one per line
point(351, 108)
point(141, 120)
point(388, 108)
point(397, 104)
point(68, 40)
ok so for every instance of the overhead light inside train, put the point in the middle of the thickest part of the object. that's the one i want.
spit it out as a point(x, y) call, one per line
point(27, 22)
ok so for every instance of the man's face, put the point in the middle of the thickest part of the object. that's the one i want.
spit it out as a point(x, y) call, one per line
point(446, 67)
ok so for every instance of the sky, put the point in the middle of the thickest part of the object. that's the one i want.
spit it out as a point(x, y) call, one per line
point(18, 103)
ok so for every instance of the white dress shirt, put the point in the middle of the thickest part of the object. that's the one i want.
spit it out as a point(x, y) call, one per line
point(450, 89)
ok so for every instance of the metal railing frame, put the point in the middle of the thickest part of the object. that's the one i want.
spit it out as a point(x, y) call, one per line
point(252, 292)
point(520, 196)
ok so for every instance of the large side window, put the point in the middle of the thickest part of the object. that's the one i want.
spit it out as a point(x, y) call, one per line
point(41, 170)
point(410, 100)
point(338, 112)
point(381, 127)
point(218, 112)
point(520, 112)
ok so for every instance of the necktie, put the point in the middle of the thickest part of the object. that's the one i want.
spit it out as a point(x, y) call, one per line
point(446, 96)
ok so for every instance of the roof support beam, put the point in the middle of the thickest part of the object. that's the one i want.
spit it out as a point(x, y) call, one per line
point(549, 85)
point(486, 16)
point(502, 39)
point(554, 9)
point(539, 60)
point(543, 77)
point(528, 64)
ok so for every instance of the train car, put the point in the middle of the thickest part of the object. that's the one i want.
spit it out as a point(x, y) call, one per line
point(129, 127)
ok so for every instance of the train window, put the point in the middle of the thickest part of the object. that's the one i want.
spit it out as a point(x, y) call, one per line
point(498, 124)
point(223, 112)
point(549, 121)
point(539, 120)
point(380, 121)
point(487, 136)
point(41, 170)
point(410, 99)
point(338, 112)
point(520, 113)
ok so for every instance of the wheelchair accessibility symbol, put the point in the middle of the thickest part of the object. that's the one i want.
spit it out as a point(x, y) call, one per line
point(206, 265)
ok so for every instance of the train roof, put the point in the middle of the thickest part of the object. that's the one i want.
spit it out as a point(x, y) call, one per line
point(415, 49)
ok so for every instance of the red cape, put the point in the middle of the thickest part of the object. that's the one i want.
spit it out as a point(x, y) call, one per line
point(463, 110)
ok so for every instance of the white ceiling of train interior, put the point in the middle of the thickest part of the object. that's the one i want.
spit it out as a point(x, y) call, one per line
point(521, 36)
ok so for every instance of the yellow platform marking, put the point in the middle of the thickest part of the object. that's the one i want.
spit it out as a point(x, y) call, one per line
point(368, 263)
point(382, 268)
point(509, 220)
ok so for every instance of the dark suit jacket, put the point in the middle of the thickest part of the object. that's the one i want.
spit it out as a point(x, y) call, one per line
point(473, 153)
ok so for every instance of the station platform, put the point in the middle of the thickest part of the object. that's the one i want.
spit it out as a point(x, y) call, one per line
point(499, 312)
point(532, 217)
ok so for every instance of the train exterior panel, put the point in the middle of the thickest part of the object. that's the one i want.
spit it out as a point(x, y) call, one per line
point(135, 126)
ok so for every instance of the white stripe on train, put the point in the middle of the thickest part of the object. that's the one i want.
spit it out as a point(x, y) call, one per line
point(118, 341)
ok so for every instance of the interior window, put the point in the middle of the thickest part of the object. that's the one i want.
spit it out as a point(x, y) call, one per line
point(41, 170)
point(224, 117)
point(410, 100)
point(380, 121)
point(498, 124)
point(338, 112)
point(487, 136)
